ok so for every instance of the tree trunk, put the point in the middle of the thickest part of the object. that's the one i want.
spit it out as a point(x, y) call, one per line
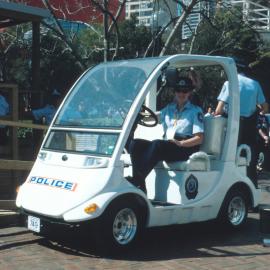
point(186, 11)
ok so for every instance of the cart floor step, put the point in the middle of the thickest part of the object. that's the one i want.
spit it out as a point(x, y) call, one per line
point(161, 203)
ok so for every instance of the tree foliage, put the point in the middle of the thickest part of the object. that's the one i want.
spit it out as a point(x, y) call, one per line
point(63, 58)
point(58, 66)
point(134, 39)
point(227, 34)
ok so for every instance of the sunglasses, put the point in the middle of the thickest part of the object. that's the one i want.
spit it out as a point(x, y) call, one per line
point(184, 90)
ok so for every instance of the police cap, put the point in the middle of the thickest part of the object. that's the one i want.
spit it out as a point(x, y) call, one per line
point(184, 83)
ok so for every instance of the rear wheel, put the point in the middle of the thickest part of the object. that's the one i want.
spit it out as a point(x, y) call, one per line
point(234, 209)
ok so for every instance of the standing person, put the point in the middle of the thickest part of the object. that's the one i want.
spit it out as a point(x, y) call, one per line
point(251, 98)
point(263, 127)
point(4, 106)
point(195, 78)
point(197, 83)
point(45, 114)
point(4, 110)
point(183, 127)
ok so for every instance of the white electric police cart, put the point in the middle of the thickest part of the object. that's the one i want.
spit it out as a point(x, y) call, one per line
point(79, 176)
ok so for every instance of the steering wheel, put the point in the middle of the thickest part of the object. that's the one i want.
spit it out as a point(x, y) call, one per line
point(147, 117)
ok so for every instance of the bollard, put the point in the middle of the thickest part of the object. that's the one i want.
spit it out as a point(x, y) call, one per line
point(265, 224)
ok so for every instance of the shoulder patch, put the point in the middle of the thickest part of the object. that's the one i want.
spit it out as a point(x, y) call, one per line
point(200, 117)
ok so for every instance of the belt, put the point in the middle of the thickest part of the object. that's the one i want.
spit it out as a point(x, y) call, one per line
point(251, 117)
point(181, 138)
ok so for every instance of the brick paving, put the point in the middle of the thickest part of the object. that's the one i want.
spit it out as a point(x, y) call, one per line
point(186, 247)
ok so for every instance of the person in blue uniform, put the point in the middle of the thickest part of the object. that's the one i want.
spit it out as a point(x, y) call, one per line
point(4, 110)
point(4, 107)
point(45, 114)
point(183, 133)
point(251, 99)
point(263, 127)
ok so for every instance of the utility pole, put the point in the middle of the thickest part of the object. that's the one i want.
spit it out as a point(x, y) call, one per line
point(105, 25)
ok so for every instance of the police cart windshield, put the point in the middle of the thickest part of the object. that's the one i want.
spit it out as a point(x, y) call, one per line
point(93, 114)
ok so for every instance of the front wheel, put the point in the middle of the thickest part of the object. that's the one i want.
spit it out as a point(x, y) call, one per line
point(125, 226)
point(234, 210)
point(119, 227)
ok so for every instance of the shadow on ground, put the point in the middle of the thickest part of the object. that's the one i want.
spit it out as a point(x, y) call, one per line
point(206, 239)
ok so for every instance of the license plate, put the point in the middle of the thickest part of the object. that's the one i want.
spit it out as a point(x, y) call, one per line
point(33, 224)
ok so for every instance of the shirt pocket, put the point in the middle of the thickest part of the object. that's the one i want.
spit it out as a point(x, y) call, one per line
point(183, 126)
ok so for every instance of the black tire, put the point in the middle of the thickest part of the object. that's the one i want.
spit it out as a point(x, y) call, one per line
point(119, 227)
point(234, 210)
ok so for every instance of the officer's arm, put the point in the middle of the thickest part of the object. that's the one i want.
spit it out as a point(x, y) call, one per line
point(262, 134)
point(219, 108)
point(158, 114)
point(197, 139)
point(264, 107)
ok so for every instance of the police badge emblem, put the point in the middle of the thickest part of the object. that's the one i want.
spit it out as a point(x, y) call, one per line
point(191, 187)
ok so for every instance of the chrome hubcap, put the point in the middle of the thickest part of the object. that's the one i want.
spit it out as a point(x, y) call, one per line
point(236, 210)
point(125, 226)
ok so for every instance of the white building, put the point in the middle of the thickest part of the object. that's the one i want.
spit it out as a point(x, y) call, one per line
point(195, 17)
point(156, 13)
point(142, 9)
point(152, 13)
point(257, 13)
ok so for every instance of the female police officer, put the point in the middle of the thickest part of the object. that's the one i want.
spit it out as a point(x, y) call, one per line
point(183, 133)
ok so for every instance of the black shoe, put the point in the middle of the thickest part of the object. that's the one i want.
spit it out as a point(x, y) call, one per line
point(143, 187)
point(136, 183)
point(131, 180)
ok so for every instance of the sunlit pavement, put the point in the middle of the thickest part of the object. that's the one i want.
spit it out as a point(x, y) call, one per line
point(196, 246)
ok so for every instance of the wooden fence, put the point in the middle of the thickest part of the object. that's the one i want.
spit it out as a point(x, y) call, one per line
point(14, 164)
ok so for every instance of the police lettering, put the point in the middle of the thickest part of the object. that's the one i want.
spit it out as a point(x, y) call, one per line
point(52, 182)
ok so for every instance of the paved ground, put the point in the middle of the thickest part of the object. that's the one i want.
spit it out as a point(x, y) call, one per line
point(197, 246)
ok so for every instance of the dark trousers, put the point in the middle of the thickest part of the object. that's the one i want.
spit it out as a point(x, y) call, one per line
point(265, 149)
point(247, 135)
point(146, 154)
point(3, 136)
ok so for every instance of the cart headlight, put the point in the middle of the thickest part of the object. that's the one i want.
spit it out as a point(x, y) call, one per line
point(91, 208)
point(42, 155)
point(93, 162)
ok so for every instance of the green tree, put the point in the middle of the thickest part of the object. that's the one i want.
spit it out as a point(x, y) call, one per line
point(227, 34)
point(90, 44)
point(260, 69)
point(58, 64)
point(59, 67)
point(134, 39)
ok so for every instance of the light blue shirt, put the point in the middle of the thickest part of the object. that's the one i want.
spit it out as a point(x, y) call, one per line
point(47, 111)
point(251, 94)
point(4, 108)
point(186, 122)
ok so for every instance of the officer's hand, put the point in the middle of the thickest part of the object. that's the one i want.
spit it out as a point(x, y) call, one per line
point(178, 143)
point(266, 140)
